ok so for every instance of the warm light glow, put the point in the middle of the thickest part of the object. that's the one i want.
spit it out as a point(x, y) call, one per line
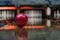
point(8, 8)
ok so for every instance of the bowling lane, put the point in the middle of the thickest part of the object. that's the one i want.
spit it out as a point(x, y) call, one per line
point(33, 34)
point(7, 35)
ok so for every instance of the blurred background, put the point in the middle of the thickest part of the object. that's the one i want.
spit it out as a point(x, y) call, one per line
point(33, 34)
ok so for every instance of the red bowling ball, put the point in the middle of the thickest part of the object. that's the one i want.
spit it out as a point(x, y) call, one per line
point(21, 19)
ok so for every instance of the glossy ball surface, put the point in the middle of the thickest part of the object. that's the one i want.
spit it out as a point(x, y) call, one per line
point(21, 19)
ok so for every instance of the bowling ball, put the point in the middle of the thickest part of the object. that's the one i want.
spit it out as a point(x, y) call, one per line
point(21, 19)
